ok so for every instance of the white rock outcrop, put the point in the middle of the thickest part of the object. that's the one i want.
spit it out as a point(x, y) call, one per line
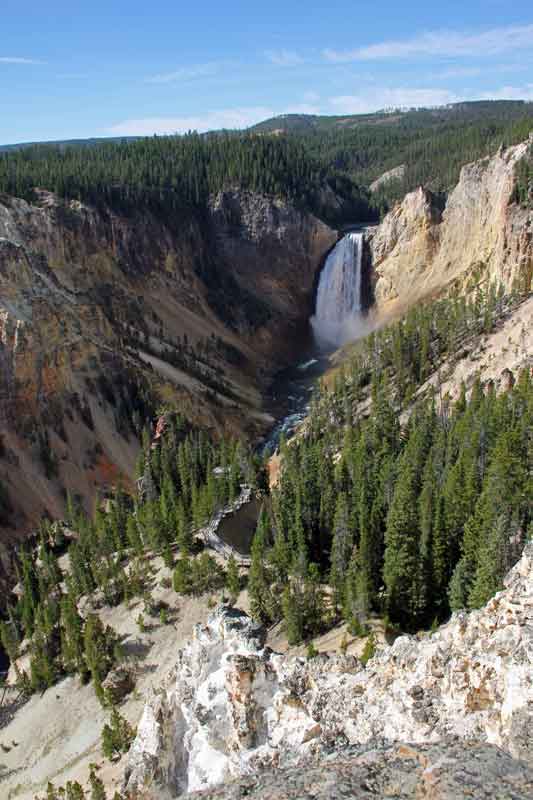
point(394, 174)
point(231, 705)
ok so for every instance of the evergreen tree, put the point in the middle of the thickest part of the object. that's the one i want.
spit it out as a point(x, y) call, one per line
point(402, 570)
point(97, 786)
point(293, 613)
point(181, 579)
point(72, 644)
point(258, 576)
point(341, 549)
point(99, 646)
point(233, 579)
point(117, 736)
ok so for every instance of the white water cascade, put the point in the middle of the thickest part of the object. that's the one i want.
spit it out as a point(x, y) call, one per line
point(337, 315)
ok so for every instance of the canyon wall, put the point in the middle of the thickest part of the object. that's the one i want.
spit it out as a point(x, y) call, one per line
point(481, 236)
point(107, 316)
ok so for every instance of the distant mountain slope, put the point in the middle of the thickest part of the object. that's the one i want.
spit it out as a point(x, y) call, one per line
point(504, 110)
point(432, 143)
point(6, 148)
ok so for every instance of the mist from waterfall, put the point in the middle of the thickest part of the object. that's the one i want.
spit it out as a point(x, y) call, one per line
point(338, 317)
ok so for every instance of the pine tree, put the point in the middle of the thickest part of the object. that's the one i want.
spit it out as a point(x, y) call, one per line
point(492, 562)
point(233, 579)
point(9, 636)
point(369, 649)
point(30, 591)
point(293, 614)
point(258, 576)
point(97, 786)
point(51, 792)
point(43, 669)
point(72, 646)
point(99, 644)
point(298, 540)
point(313, 607)
point(341, 549)
point(181, 579)
point(401, 569)
point(117, 736)
point(74, 791)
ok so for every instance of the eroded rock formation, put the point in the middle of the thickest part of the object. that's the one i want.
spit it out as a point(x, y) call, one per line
point(481, 236)
point(232, 706)
point(100, 312)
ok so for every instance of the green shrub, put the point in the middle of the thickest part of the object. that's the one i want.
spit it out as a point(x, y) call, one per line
point(369, 649)
point(117, 736)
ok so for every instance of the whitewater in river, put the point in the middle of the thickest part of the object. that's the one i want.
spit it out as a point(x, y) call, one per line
point(338, 318)
point(338, 309)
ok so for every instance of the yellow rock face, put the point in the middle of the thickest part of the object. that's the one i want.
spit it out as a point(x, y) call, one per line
point(480, 236)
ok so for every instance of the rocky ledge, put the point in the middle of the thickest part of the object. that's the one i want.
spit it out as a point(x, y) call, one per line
point(232, 707)
point(452, 770)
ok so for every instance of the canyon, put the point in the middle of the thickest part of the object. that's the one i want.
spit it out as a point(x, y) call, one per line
point(106, 315)
point(107, 319)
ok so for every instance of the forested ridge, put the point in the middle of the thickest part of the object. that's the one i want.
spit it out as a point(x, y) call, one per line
point(177, 172)
point(170, 173)
point(433, 144)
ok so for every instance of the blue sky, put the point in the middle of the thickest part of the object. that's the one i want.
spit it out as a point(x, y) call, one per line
point(94, 68)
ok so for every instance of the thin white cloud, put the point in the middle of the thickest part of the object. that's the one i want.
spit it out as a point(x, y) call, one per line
point(184, 74)
point(213, 120)
point(510, 93)
point(377, 99)
point(19, 60)
point(303, 108)
point(475, 72)
point(459, 72)
point(284, 58)
point(442, 43)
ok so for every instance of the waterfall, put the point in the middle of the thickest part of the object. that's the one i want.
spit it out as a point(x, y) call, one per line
point(338, 300)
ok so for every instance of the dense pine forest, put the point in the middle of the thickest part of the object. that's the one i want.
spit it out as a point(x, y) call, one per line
point(178, 173)
point(389, 503)
point(433, 144)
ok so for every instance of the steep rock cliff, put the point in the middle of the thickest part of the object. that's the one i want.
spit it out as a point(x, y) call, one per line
point(482, 235)
point(104, 316)
point(232, 706)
